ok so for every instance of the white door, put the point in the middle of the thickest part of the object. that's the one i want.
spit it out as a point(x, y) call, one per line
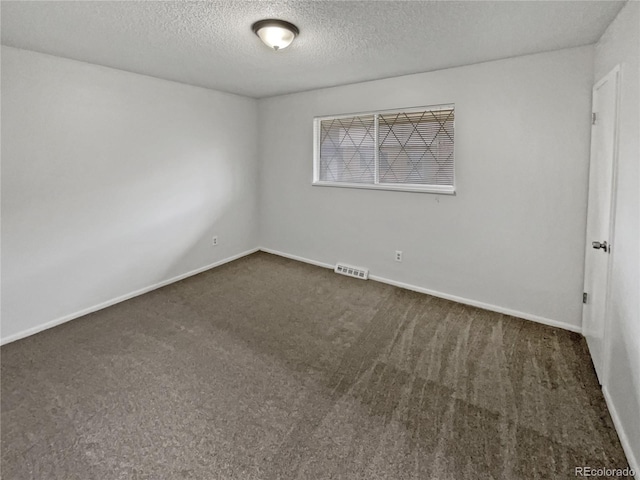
point(599, 219)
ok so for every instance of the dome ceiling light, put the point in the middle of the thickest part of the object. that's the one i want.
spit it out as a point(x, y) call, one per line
point(276, 34)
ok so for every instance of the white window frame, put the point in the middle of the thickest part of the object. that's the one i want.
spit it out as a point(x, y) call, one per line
point(402, 187)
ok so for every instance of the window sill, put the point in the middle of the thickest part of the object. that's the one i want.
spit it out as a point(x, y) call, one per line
point(440, 190)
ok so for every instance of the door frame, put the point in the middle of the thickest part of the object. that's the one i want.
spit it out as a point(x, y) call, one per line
point(606, 340)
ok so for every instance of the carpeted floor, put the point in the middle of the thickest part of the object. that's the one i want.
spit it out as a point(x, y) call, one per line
point(267, 368)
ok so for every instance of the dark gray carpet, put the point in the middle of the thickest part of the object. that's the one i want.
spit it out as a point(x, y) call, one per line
point(267, 368)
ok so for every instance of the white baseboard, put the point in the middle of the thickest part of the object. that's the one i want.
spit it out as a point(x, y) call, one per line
point(446, 296)
point(622, 435)
point(485, 306)
point(296, 257)
point(122, 298)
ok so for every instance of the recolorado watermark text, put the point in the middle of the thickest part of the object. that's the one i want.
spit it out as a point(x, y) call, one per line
point(604, 472)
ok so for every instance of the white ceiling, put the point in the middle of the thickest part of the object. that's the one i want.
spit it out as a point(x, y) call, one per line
point(210, 44)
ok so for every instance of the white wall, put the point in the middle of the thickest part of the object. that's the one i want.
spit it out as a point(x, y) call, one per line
point(512, 237)
point(113, 182)
point(621, 45)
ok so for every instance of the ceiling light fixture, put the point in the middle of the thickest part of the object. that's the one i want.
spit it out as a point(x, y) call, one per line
point(276, 34)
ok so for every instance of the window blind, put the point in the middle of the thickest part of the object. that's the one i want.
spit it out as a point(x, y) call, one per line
point(416, 148)
point(347, 150)
point(412, 148)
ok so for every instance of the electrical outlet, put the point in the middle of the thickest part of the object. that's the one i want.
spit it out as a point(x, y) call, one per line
point(398, 256)
point(214, 240)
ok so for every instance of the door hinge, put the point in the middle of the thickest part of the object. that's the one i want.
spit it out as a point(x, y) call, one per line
point(593, 118)
point(584, 297)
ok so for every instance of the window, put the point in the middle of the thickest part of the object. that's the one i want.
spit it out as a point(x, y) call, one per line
point(409, 149)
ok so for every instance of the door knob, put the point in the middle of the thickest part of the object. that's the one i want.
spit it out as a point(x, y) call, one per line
point(602, 245)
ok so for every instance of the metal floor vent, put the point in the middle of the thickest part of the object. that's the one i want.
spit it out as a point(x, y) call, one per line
point(348, 270)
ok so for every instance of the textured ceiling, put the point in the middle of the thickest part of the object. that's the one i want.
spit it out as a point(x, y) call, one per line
point(210, 44)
